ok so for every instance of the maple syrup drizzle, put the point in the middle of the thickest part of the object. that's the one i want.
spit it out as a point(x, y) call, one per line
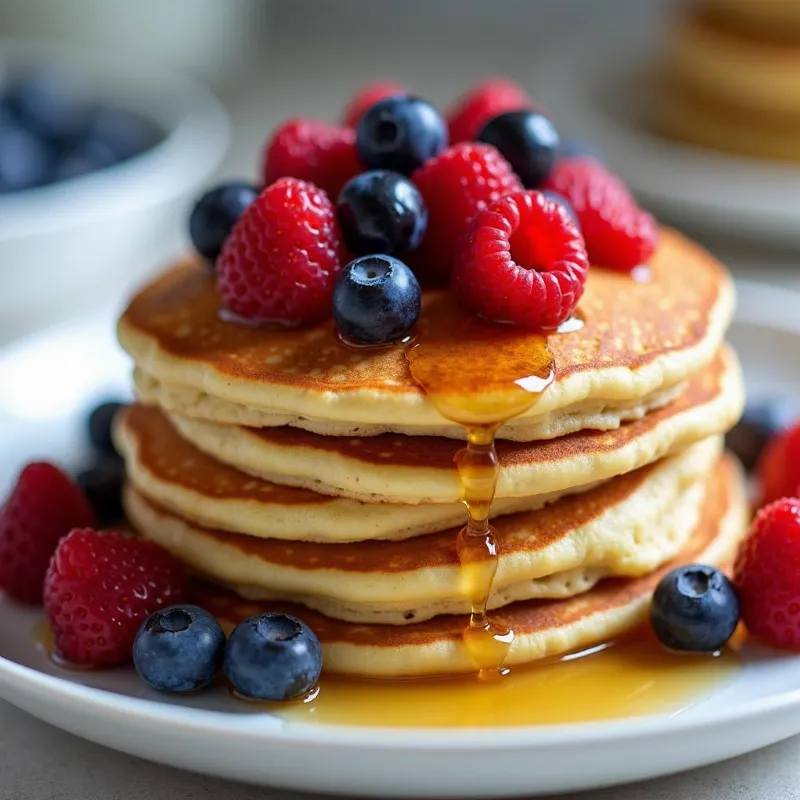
point(479, 375)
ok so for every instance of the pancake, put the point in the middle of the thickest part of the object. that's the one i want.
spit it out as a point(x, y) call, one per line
point(177, 476)
point(628, 526)
point(732, 85)
point(542, 628)
point(639, 340)
point(403, 469)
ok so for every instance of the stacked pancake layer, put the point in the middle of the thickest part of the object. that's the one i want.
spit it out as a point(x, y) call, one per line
point(731, 78)
point(295, 472)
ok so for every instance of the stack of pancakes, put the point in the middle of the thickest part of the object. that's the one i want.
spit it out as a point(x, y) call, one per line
point(296, 473)
point(732, 79)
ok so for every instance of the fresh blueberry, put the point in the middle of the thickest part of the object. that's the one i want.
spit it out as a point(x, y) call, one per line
point(47, 103)
point(273, 657)
point(99, 426)
point(125, 134)
point(87, 157)
point(695, 609)
point(400, 133)
point(376, 300)
point(381, 212)
point(762, 420)
point(565, 204)
point(25, 161)
point(215, 213)
point(179, 649)
point(528, 140)
point(102, 484)
point(576, 148)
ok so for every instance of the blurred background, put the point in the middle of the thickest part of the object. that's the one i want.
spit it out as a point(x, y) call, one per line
point(117, 206)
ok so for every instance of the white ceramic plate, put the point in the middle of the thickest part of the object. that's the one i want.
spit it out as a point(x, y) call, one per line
point(596, 85)
point(45, 384)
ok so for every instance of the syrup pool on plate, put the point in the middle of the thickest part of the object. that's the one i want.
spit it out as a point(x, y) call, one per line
point(479, 375)
point(632, 677)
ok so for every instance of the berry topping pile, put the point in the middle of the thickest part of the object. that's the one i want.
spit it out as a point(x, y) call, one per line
point(397, 179)
point(619, 235)
point(282, 257)
point(523, 262)
point(481, 103)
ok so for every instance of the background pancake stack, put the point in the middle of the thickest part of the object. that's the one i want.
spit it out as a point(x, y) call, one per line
point(732, 78)
point(294, 472)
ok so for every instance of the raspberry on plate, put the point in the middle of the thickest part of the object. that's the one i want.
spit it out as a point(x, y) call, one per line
point(767, 575)
point(523, 262)
point(100, 587)
point(618, 233)
point(778, 467)
point(483, 101)
point(456, 185)
point(280, 262)
point(312, 150)
point(367, 96)
point(44, 506)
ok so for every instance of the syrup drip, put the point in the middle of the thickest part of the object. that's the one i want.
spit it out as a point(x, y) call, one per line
point(479, 375)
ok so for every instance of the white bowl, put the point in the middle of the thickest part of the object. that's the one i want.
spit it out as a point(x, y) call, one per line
point(85, 241)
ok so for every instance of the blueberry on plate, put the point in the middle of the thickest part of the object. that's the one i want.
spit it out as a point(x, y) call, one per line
point(273, 657)
point(527, 139)
point(376, 300)
point(762, 420)
point(215, 213)
point(102, 484)
point(381, 212)
point(179, 649)
point(400, 133)
point(565, 204)
point(100, 421)
point(694, 609)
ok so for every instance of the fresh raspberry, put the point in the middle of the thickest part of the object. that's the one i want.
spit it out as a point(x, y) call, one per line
point(43, 506)
point(767, 575)
point(523, 262)
point(456, 185)
point(367, 96)
point(483, 101)
point(778, 467)
point(99, 588)
point(281, 259)
point(618, 234)
point(313, 151)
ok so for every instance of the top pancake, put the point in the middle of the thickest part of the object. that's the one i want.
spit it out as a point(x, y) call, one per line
point(639, 339)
